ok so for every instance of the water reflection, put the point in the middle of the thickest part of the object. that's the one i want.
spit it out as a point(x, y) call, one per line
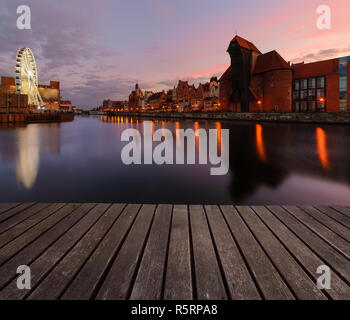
point(269, 164)
point(322, 150)
point(24, 151)
point(260, 145)
point(27, 163)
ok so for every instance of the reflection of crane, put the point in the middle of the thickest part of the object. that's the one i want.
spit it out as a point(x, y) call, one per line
point(27, 77)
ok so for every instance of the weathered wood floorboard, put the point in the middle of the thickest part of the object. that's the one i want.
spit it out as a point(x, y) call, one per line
point(134, 251)
point(178, 278)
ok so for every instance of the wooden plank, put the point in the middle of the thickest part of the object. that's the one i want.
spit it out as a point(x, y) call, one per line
point(74, 213)
point(47, 261)
point(328, 222)
point(118, 282)
point(88, 279)
point(19, 243)
point(149, 280)
point(336, 215)
point(178, 280)
point(238, 279)
point(7, 206)
point(328, 235)
point(333, 258)
point(13, 232)
point(16, 210)
point(59, 278)
point(268, 279)
point(14, 220)
point(344, 210)
point(209, 282)
point(301, 284)
point(339, 289)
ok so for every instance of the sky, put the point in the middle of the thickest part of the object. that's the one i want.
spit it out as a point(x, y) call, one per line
point(99, 49)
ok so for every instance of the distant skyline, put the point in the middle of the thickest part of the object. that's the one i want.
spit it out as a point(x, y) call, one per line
point(100, 49)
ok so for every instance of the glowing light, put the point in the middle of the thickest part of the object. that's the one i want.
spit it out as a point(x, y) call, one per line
point(322, 99)
point(260, 145)
point(322, 151)
point(259, 102)
point(218, 128)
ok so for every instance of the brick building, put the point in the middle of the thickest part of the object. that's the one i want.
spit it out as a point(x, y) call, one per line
point(135, 99)
point(158, 100)
point(10, 100)
point(322, 86)
point(50, 94)
point(256, 82)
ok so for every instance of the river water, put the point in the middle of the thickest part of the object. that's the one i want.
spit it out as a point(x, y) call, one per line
point(270, 163)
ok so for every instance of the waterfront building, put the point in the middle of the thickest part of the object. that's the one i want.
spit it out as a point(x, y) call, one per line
point(256, 82)
point(174, 97)
point(170, 103)
point(66, 105)
point(158, 100)
point(135, 99)
point(10, 100)
point(145, 100)
point(322, 86)
point(110, 105)
point(50, 94)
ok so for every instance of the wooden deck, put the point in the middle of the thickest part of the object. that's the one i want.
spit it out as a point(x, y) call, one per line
point(118, 251)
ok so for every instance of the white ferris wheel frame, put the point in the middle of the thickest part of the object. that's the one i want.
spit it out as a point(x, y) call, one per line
point(26, 77)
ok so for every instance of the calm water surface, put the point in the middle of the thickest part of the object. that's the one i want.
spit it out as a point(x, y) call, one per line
point(269, 164)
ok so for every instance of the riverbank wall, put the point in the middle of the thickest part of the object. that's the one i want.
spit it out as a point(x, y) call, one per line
point(335, 118)
point(24, 118)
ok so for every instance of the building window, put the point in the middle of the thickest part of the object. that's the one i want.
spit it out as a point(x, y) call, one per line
point(303, 84)
point(303, 106)
point(320, 93)
point(320, 82)
point(308, 93)
point(312, 83)
point(296, 85)
point(343, 83)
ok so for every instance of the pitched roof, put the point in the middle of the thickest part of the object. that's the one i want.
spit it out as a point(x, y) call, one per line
point(245, 44)
point(270, 61)
point(227, 75)
point(157, 95)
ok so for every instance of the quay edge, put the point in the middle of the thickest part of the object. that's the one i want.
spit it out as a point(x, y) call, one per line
point(331, 118)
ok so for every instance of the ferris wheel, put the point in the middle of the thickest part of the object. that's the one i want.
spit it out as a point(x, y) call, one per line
point(27, 77)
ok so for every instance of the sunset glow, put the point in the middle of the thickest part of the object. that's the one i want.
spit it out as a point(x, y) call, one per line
point(100, 51)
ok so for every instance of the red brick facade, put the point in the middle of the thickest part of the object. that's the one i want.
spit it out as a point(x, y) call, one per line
point(270, 83)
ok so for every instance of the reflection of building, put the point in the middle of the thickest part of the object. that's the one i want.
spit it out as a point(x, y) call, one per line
point(257, 82)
